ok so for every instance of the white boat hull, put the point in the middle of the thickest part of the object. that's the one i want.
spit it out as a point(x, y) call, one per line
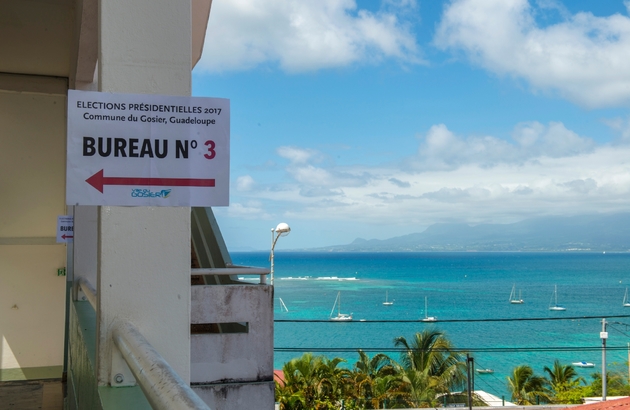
point(513, 299)
point(427, 318)
point(553, 304)
point(341, 317)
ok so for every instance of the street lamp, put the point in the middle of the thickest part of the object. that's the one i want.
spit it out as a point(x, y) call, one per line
point(281, 230)
point(604, 335)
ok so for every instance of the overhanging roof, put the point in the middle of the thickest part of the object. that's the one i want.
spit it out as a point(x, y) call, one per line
point(59, 38)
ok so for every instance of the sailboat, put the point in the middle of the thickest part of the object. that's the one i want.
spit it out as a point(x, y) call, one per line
point(387, 302)
point(427, 318)
point(513, 298)
point(626, 302)
point(553, 304)
point(283, 307)
point(341, 317)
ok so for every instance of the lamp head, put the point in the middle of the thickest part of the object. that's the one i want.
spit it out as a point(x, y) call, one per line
point(283, 229)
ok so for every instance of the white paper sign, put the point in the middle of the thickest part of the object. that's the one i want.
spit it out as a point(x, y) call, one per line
point(147, 150)
point(65, 229)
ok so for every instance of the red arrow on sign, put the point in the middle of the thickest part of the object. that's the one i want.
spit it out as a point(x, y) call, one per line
point(64, 236)
point(98, 180)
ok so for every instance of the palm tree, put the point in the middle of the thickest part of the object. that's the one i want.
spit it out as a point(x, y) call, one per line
point(312, 382)
point(431, 366)
point(375, 380)
point(526, 387)
point(420, 389)
point(298, 375)
point(378, 366)
point(333, 380)
point(288, 398)
point(562, 377)
point(615, 382)
point(431, 351)
point(301, 376)
point(386, 392)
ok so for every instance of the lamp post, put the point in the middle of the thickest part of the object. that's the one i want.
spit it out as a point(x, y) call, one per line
point(604, 335)
point(281, 230)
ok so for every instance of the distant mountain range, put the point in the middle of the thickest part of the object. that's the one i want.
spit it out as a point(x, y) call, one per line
point(608, 232)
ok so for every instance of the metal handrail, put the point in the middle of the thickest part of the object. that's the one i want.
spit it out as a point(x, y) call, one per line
point(89, 291)
point(162, 386)
point(233, 270)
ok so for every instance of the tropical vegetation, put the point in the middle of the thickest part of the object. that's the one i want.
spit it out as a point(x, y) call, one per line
point(430, 372)
point(526, 387)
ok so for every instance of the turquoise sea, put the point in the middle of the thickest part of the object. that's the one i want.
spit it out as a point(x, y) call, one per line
point(460, 287)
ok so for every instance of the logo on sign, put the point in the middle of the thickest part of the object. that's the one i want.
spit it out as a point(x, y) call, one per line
point(147, 193)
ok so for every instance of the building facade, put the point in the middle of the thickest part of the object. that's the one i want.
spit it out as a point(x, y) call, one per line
point(137, 260)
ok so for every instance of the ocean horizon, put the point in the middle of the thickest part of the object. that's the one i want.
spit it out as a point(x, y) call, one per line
point(468, 293)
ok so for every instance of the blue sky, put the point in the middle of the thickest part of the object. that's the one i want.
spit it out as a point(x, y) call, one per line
point(376, 119)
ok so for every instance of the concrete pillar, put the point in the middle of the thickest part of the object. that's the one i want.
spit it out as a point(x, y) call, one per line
point(85, 245)
point(144, 252)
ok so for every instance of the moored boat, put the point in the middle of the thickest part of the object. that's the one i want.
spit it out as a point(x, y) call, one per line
point(341, 317)
point(427, 318)
point(553, 304)
point(513, 299)
point(387, 301)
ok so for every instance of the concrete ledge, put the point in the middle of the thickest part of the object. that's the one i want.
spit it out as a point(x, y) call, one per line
point(31, 373)
point(32, 395)
point(232, 357)
point(37, 84)
point(250, 396)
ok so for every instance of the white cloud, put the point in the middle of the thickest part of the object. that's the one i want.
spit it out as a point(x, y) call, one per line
point(316, 179)
point(440, 148)
point(554, 140)
point(621, 126)
point(584, 58)
point(250, 210)
point(311, 175)
point(544, 170)
point(295, 155)
point(399, 183)
point(581, 186)
point(244, 183)
point(304, 36)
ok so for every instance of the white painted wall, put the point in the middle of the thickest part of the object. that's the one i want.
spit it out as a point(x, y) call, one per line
point(32, 178)
point(144, 253)
point(85, 244)
point(255, 396)
point(242, 357)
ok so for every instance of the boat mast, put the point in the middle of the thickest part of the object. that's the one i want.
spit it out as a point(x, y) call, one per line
point(334, 305)
point(339, 305)
point(426, 304)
